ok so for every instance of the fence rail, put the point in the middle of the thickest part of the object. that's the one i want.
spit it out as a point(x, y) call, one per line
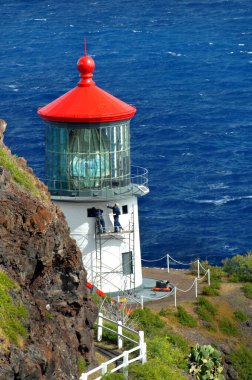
point(141, 347)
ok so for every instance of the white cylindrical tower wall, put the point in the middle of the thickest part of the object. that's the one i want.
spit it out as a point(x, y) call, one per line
point(112, 260)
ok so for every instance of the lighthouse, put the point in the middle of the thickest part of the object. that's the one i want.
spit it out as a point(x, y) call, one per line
point(89, 174)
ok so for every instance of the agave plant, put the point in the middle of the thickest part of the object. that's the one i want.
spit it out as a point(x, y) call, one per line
point(205, 363)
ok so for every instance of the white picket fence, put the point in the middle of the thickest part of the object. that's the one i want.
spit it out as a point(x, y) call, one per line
point(125, 356)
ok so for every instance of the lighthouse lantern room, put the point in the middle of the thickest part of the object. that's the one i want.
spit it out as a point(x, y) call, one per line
point(88, 172)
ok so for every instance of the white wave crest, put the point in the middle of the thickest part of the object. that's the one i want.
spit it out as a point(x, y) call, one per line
point(224, 200)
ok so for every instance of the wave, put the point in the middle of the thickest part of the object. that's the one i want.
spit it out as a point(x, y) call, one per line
point(224, 200)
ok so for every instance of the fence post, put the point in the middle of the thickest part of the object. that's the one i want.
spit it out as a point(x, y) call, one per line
point(142, 345)
point(208, 277)
point(175, 296)
point(99, 330)
point(168, 263)
point(196, 287)
point(119, 331)
point(83, 377)
point(104, 368)
point(198, 269)
point(125, 363)
point(142, 303)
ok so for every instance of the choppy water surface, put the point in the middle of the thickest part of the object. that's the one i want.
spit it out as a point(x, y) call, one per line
point(186, 65)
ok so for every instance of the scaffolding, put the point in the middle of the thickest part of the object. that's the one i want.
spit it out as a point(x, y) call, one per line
point(127, 239)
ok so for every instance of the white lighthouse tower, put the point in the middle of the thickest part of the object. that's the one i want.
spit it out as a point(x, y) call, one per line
point(88, 166)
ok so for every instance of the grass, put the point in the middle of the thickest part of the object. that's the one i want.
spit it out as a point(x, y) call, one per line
point(212, 290)
point(20, 176)
point(240, 316)
point(228, 327)
point(205, 309)
point(247, 290)
point(184, 318)
point(242, 360)
point(13, 314)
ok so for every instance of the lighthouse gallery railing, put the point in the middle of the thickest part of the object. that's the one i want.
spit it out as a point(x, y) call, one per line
point(136, 183)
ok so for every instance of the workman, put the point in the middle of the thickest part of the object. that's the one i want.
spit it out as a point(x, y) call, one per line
point(100, 222)
point(116, 213)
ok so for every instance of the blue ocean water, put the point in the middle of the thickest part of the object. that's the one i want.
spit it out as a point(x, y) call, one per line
point(187, 67)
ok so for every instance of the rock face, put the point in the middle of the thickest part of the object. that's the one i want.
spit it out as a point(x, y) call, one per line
point(37, 252)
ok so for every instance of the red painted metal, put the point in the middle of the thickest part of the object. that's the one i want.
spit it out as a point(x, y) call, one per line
point(86, 103)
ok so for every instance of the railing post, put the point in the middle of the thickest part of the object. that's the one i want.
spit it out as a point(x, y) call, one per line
point(104, 368)
point(208, 277)
point(142, 345)
point(168, 263)
point(99, 330)
point(125, 363)
point(196, 287)
point(142, 303)
point(198, 269)
point(119, 332)
point(175, 296)
point(84, 377)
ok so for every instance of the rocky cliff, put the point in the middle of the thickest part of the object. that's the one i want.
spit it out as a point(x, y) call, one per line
point(44, 263)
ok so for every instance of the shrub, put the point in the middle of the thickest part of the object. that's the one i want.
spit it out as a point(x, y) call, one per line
point(163, 362)
point(240, 315)
point(148, 321)
point(247, 290)
point(242, 360)
point(239, 267)
point(227, 327)
point(185, 318)
point(205, 309)
point(178, 341)
point(211, 290)
point(205, 363)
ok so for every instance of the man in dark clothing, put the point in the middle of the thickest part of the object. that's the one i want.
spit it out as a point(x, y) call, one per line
point(116, 213)
point(100, 222)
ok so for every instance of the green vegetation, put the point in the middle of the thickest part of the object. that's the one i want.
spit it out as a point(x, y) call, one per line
point(22, 177)
point(242, 360)
point(81, 365)
point(185, 318)
point(205, 363)
point(239, 267)
point(212, 290)
point(164, 362)
point(228, 327)
point(247, 290)
point(240, 316)
point(205, 309)
point(13, 314)
point(113, 376)
point(151, 323)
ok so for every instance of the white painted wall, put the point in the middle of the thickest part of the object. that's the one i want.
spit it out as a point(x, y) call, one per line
point(106, 273)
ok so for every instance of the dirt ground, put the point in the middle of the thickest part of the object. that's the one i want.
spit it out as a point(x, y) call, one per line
point(231, 298)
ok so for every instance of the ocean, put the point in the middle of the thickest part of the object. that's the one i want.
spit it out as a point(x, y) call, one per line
point(187, 67)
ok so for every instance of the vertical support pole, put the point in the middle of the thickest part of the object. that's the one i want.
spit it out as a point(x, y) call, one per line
point(142, 303)
point(168, 263)
point(83, 377)
point(104, 368)
point(125, 363)
point(196, 287)
point(99, 330)
point(175, 296)
point(208, 277)
point(142, 345)
point(119, 331)
point(198, 269)
point(118, 299)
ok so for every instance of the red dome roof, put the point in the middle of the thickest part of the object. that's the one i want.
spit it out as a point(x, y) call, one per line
point(86, 103)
